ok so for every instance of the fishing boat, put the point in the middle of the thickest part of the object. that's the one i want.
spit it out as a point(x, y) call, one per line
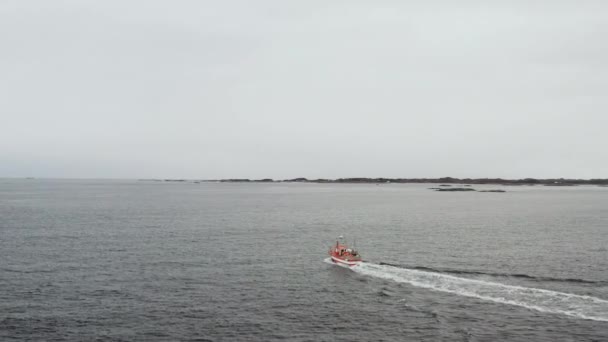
point(342, 254)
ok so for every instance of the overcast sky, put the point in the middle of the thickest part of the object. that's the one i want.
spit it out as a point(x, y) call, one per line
point(281, 89)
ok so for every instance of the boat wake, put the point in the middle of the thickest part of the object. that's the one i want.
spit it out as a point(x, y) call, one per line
point(499, 274)
point(573, 305)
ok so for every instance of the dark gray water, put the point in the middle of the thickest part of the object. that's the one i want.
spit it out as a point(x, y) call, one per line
point(146, 261)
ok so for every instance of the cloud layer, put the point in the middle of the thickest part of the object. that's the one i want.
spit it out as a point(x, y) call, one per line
point(279, 89)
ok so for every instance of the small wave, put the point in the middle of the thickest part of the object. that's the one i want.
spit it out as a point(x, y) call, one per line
point(384, 293)
point(579, 306)
point(499, 274)
point(25, 271)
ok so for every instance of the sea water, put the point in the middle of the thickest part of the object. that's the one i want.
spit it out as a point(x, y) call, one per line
point(145, 261)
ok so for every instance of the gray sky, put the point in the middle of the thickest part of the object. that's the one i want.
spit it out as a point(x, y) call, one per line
point(219, 89)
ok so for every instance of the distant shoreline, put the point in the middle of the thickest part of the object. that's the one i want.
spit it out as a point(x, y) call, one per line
point(446, 180)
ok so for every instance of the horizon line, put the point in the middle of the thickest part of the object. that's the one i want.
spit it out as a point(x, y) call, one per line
point(301, 178)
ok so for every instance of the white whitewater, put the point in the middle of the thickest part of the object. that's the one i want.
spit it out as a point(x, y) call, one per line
point(579, 306)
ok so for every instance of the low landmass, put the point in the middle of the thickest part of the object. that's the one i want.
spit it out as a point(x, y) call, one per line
point(444, 181)
point(454, 189)
point(466, 189)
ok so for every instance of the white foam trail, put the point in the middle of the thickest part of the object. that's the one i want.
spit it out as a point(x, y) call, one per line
point(538, 299)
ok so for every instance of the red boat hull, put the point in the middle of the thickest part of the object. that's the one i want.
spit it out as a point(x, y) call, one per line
point(349, 263)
